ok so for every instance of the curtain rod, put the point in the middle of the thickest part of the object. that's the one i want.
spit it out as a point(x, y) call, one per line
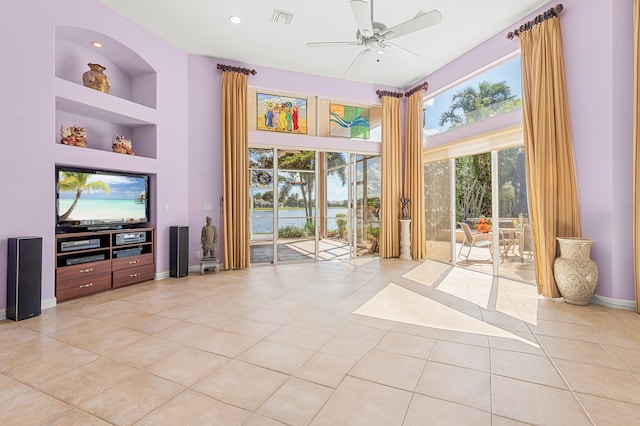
point(382, 93)
point(239, 70)
point(551, 13)
point(422, 86)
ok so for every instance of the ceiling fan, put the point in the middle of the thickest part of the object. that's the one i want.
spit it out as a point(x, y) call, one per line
point(375, 36)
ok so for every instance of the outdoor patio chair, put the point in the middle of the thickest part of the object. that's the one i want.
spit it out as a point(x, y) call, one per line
point(526, 243)
point(472, 240)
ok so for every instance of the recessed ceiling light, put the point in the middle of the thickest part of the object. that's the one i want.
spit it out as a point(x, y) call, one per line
point(235, 19)
point(96, 44)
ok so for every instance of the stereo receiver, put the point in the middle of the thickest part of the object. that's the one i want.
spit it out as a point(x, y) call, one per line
point(130, 238)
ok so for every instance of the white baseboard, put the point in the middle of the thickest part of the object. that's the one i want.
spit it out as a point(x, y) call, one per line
point(3, 314)
point(161, 275)
point(49, 303)
point(614, 303)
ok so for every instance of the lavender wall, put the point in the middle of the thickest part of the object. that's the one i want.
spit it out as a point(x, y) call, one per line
point(205, 133)
point(27, 114)
point(598, 59)
point(187, 168)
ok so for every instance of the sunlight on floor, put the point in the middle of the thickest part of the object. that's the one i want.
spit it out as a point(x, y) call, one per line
point(427, 273)
point(468, 285)
point(398, 304)
point(518, 300)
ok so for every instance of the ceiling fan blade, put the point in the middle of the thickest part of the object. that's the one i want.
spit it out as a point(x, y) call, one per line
point(362, 13)
point(331, 43)
point(397, 46)
point(358, 58)
point(420, 22)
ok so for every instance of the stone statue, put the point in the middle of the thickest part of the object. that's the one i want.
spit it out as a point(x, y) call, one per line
point(208, 239)
point(405, 207)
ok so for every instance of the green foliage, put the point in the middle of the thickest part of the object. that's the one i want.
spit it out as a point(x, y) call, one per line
point(310, 228)
point(341, 221)
point(472, 104)
point(374, 232)
point(293, 200)
point(473, 186)
point(292, 231)
point(268, 197)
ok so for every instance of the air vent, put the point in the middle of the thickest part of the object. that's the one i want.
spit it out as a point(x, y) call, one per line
point(281, 17)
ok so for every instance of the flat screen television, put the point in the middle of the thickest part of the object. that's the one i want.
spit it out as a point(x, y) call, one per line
point(96, 199)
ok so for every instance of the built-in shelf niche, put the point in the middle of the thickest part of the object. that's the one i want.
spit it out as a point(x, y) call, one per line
point(127, 110)
point(131, 77)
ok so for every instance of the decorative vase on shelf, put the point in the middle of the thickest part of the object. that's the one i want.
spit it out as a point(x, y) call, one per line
point(575, 273)
point(96, 79)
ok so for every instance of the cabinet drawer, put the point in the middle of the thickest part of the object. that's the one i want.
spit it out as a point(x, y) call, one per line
point(132, 275)
point(69, 289)
point(131, 262)
point(82, 270)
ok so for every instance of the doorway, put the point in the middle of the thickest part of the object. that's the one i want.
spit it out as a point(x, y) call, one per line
point(482, 197)
point(312, 205)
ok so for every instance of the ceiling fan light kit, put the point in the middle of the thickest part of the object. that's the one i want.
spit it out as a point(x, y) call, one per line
point(374, 36)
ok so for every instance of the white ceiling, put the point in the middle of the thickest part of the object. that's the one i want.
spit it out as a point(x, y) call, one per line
point(202, 27)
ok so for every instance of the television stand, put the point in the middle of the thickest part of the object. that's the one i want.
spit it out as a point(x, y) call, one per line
point(93, 262)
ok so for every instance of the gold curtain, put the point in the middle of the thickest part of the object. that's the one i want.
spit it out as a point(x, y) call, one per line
point(636, 148)
point(548, 148)
point(414, 175)
point(391, 190)
point(235, 170)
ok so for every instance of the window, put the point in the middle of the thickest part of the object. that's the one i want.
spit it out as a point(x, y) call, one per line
point(485, 95)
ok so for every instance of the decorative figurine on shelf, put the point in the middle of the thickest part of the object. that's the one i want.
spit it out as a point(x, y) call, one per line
point(405, 207)
point(208, 239)
point(96, 79)
point(122, 145)
point(73, 135)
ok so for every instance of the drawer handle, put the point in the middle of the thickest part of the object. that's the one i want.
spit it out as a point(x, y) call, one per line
point(135, 275)
point(133, 262)
point(86, 270)
point(86, 285)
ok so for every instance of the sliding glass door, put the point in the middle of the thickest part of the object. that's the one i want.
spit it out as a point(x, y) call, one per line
point(366, 214)
point(296, 208)
point(308, 205)
point(437, 204)
point(483, 197)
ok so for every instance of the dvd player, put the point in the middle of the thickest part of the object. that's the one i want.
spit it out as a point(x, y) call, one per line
point(80, 244)
point(127, 252)
point(85, 259)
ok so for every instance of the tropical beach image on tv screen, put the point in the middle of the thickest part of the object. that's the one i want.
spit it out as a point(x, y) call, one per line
point(101, 198)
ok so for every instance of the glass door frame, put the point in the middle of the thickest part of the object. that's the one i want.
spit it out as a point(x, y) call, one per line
point(352, 159)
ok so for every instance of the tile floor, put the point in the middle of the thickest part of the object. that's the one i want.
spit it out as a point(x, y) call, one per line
point(366, 342)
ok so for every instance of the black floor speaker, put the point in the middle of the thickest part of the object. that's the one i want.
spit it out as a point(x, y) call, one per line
point(179, 251)
point(24, 277)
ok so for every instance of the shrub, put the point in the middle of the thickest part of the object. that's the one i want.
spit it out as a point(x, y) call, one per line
point(341, 221)
point(291, 231)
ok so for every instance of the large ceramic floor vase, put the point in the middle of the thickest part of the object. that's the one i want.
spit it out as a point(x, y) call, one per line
point(575, 273)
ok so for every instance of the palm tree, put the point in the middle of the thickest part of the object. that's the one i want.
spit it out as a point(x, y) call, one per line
point(472, 104)
point(304, 162)
point(72, 181)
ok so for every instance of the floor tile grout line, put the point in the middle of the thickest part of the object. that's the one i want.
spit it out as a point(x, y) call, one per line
point(564, 379)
